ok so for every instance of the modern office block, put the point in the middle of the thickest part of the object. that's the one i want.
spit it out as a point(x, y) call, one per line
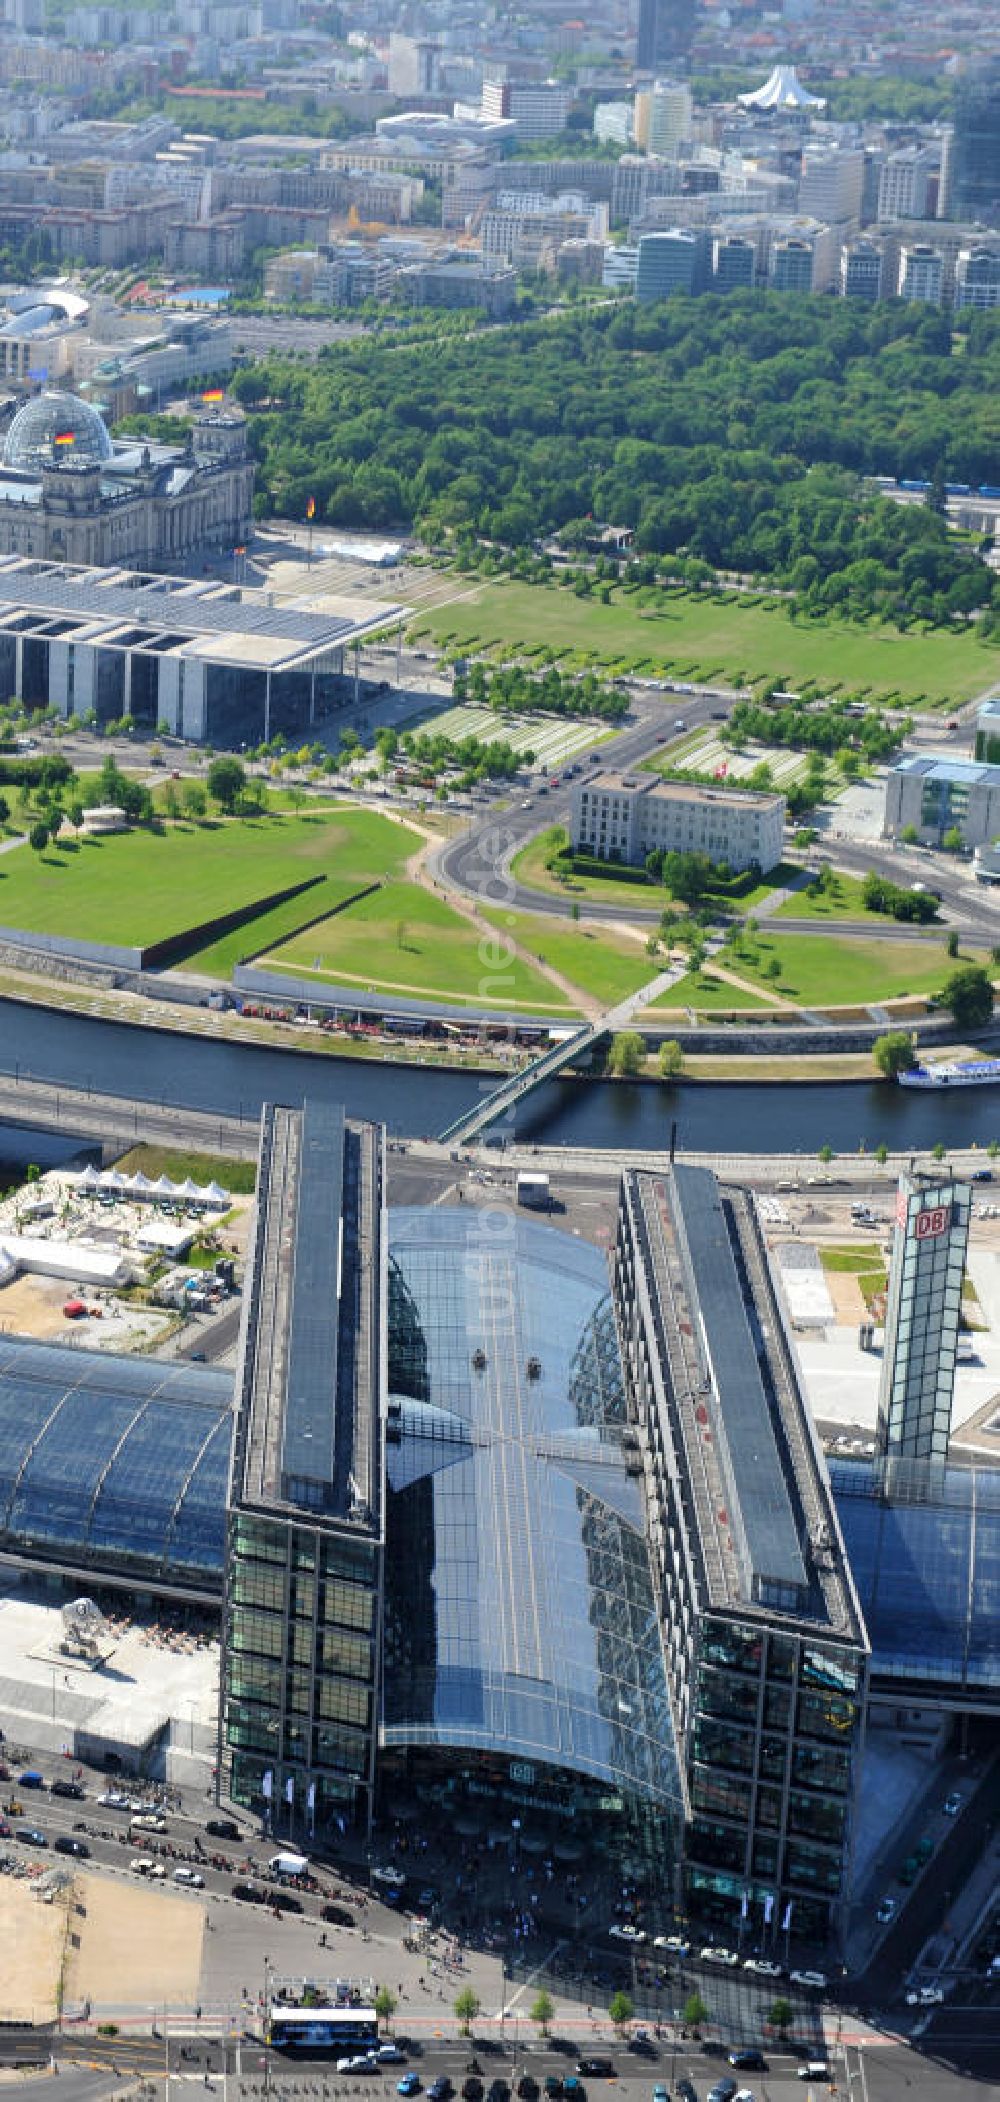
point(734, 261)
point(921, 273)
point(765, 1644)
point(624, 817)
point(792, 264)
point(670, 262)
point(665, 32)
point(861, 270)
point(303, 1580)
point(923, 1308)
point(973, 175)
point(936, 796)
point(977, 278)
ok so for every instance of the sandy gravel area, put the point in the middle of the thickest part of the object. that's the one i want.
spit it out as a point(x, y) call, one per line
point(32, 1938)
point(134, 1946)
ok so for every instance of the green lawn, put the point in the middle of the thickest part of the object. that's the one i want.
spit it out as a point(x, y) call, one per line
point(841, 901)
point(843, 971)
point(407, 940)
point(528, 867)
point(140, 887)
point(707, 994)
point(606, 967)
point(730, 640)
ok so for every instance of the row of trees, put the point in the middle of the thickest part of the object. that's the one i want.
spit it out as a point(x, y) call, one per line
point(826, 727)
point(895, 901)
point(730, 430)
point(621, 2010)
point(512, 690)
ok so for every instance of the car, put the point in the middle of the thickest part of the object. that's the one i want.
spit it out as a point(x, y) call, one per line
point(887, 1911)
point(409, 2085)
point(526, 805)
point(284, 1901)
point(553, 2086)
point(952, 1805)
point(748, 2061)
point(362, 2062)
point(527, 2088)
point(910, 1870)
point(573, 2089)
point(249, 1893)
point(713, 1954)
point(222, 1828)
point(32, 1837)
point(472, 2089)
point(686, 2091)
point(190, 1877)
point(661, 2093)
point(723, 2091)
point(70, 1788)
point(338, 1916)
point(439, 2089)
point(65, 1845)
point(680, 724)
point(762, 1967)
point(148, 1821)
point(743, 2094)
point(815, 1981)
point(596, 2068)
point(925, 1996)
point(816, 2069)
point(113, 1799)
point(626, 1933)
point(390, 2054)
point(675, 1943)
point(388, 1875)
point(31, 1778)
point(498, 2091)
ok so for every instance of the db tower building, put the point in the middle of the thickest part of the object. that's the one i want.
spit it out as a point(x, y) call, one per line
point(923, 1309)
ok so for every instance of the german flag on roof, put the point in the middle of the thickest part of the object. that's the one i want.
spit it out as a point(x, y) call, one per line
point(214, 394)
point(64, 438)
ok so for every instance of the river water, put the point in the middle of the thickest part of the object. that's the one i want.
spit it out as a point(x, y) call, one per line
point(414, 1101)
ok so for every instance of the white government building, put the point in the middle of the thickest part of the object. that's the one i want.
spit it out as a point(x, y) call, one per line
point(624, 817)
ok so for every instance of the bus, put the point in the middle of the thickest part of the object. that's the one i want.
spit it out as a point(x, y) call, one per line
point(339, 2030)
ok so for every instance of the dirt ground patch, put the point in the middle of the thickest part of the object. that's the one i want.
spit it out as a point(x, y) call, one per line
point(133, 1946)
point(33, 1306)
point(848, 1298)
point(32, 1937)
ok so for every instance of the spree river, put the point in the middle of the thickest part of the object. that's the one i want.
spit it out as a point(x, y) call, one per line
point(415, 1101)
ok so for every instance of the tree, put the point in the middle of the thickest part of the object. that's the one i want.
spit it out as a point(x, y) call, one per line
point(695, 2011)
point(952, 840)
point(968, 996)
point(938, 1149)
point(38, 837)
point(780, 2016)
point(4, 811)
point(226, 782)
point(910, 836)
point(467, 2006)
point(893, 1053)
point(952, 942)
point(881, 1153)
point(626, 1054)
point(385, 2003)
point(825, 1154)
point(542, 2009)
point(194, 799)
point(621, 2008)
point(670, 1060)
point(296, 795)
point(171, 800)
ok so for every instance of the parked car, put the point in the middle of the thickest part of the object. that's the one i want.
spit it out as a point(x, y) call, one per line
point(31, 1836)
point(387, 2054)
point(887, 1911)
point(675, 1943)
point(498, 2091)
point(65, 1845)
point(553, 2086)
point(439, 2089)
point(661, 2093)
point(952, 1804)
point(31, 1778)
point(527, 2088)
point(249, 1893)
point(190, 1877)
point(712, 1954)
point(222, 1828)
point(925, 1996)
point(634, 1935)
point(70, 1788)
point(113, 1799)
point(338, 1916)
point(815, 1981)
point(762, 1967)
point(686, 2091)
point(723, 2091)
point(409, 2085)
point(472, 2089)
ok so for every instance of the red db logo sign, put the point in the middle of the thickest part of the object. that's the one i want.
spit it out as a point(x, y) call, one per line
point(930, 1224)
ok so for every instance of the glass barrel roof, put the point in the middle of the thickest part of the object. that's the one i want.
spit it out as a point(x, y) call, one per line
point(926, 1562)
point(520, 1612)
point(115, 1461)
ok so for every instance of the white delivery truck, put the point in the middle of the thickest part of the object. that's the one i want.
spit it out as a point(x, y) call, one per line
point(288, 1865)
point(533, 1191)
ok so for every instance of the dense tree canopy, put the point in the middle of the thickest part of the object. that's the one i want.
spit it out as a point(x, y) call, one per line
point(732, 430)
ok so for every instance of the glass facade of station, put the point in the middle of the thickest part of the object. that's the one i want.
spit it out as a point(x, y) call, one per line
point(923, 1309)
point(523, 1663)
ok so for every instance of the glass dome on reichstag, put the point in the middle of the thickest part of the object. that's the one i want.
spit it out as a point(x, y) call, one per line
point(54, 427)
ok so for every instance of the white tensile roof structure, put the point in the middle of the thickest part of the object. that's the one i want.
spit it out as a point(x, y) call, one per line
point(783, 90)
